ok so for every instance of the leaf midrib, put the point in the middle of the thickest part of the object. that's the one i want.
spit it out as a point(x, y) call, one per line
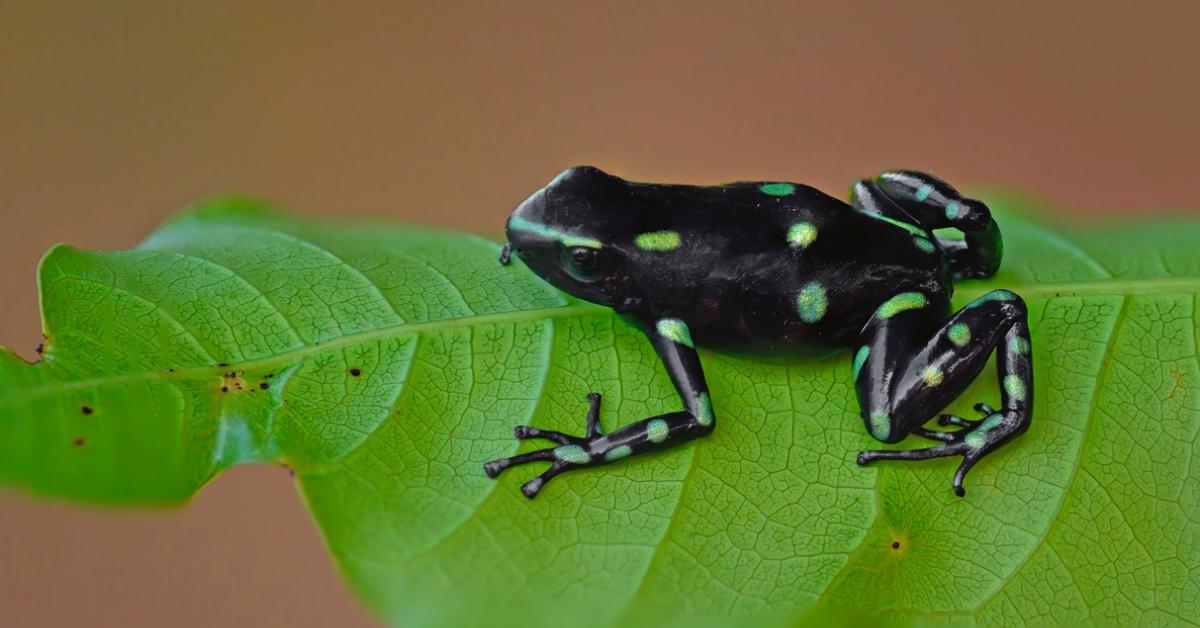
point(1119, 287)
point(390, 331)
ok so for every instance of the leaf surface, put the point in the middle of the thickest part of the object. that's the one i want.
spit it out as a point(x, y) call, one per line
point(385, 364)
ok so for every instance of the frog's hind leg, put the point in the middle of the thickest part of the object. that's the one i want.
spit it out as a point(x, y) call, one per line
point(923, 199)
point(908, 365)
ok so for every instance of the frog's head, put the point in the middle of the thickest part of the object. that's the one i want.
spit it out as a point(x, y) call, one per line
point(562, 232)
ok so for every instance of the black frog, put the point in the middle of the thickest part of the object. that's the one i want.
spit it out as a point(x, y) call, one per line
point(774, 267)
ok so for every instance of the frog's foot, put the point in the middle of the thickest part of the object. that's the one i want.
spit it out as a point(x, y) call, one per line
point(572, 452)
point(973, 441)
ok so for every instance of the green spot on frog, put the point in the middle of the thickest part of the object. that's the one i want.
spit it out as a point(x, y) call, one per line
point(706, 417)
point(924, 244)
point(1018, 345)
point(658, 241)
point(932, 376)
point(917, 231)
point(657, 430)
point(995, 295)
point(675, 330)
point(573, 454)
point(1015, 387)
point(959, 334)
point(977, 437)
point(881, 425)
point(802, 234)
point(812, 302)
point(778, 189)
point(900, 303)
point(616, 453)
point(566, 239)
point(860, 358)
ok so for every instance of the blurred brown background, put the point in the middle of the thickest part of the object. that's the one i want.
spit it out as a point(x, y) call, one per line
point(113, 116)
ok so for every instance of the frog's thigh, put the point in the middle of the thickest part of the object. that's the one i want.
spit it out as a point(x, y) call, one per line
point(908, 365)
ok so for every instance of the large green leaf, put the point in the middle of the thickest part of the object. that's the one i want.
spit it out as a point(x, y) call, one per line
point(385, 365)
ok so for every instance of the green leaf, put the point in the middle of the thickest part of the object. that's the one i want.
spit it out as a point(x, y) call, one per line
point(385, 364)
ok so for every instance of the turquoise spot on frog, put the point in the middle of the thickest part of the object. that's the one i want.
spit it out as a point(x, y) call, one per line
point(881, 425)
point(923, 192)
point(778, 189)
point(812, 302)
point(977, 437)
point(924, 244)
point(657, 430)
point(705, 417)
point(1018, 345)
point(566, 239)
point(860, 358)
point(616, 453)
point(675, 330)
point(952, 211)
point(995, 295)
point(573, 454)
point(959, 334)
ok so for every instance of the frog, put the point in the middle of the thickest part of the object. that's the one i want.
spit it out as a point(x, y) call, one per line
point(782, 269)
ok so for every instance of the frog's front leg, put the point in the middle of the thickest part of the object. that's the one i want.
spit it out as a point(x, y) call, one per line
point(673, 342)
point(908, 366)
point(910, 196)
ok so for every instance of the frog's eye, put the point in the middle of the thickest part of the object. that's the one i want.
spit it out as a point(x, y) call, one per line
point(586, 264)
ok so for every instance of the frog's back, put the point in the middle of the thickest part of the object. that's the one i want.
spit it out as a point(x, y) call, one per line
point(784, 267)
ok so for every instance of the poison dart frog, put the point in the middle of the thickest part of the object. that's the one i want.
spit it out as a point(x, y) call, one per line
point(782, 268)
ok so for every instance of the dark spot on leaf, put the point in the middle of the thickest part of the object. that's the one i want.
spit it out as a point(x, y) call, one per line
point(40, 349)
point(264, 385)
point(270, 375)
point(224, 389)
point(86, 410)
point(223, 364)
point(895, 544)
point(78, 442)
point(355, 372)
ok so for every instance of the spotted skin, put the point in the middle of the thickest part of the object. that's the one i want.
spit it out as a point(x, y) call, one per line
point(916, 389)
point(781, 268)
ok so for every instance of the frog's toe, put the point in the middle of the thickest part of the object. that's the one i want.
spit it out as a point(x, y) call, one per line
point(494, 468)
point(524, 432)
point(945, 449)
point(954, 419)
point(984, 409)
point(934, 435)
point(969, 460)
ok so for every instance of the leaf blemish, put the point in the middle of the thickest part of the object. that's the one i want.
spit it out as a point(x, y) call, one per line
point(895, 545)
point(264, 385)
point(78, 442)
point(355, 372)
point(87, 410)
